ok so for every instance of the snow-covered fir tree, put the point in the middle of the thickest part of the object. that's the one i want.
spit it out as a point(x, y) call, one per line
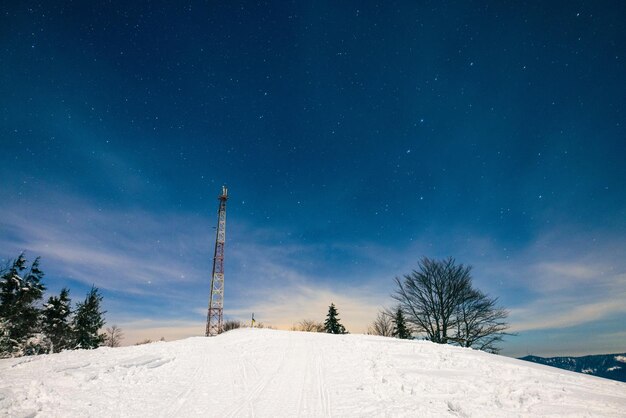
point(332, 324)
point(88, 320)
point(400, 329)
point(20, 289)
point(55, 322)
point(4, 338)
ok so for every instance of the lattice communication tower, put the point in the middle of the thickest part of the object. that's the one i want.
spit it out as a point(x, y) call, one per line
point(215, 316)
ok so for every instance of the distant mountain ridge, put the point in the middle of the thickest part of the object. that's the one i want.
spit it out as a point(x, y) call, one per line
point(609, 366)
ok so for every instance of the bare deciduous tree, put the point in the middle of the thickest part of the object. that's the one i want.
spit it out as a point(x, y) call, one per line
point(382, 325)
point(480, 322)
point(439, 300)
point(113, 336)
point(231, 324)
point(309, 325)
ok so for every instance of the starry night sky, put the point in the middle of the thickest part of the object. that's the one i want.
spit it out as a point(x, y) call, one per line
point(354, 137)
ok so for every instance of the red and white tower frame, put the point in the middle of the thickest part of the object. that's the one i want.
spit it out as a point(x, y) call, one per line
point(215, 316)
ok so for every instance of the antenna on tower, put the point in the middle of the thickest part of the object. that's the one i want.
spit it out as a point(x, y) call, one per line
point(215, 315)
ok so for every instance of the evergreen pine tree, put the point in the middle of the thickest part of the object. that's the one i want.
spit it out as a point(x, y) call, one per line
point(5, 341)
point(20, 289)
point(88, 320)
point(332, 324)
point(55, 321)
point(400, 329)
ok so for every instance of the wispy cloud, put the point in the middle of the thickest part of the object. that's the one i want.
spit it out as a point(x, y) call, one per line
point(284, 306)
point(163, 256)
point(560, 313)
point(557, 281)
point(129, 251)
point(565, 282)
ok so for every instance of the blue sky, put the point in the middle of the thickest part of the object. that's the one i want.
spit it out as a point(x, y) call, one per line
point(354, 139)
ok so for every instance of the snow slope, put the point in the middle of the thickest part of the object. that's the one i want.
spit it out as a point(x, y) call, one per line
point(266, 373)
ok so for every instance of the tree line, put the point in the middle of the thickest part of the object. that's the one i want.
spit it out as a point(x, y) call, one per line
point(439, 301)
point(386, 324)
point(331, 325)
point(28, 326)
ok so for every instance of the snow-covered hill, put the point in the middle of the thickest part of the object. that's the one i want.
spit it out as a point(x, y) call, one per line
point(266, 373)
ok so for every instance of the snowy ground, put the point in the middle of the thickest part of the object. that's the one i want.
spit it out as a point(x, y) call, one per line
point(265, 373)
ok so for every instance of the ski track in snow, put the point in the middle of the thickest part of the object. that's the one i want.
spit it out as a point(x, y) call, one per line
point(265, 373)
